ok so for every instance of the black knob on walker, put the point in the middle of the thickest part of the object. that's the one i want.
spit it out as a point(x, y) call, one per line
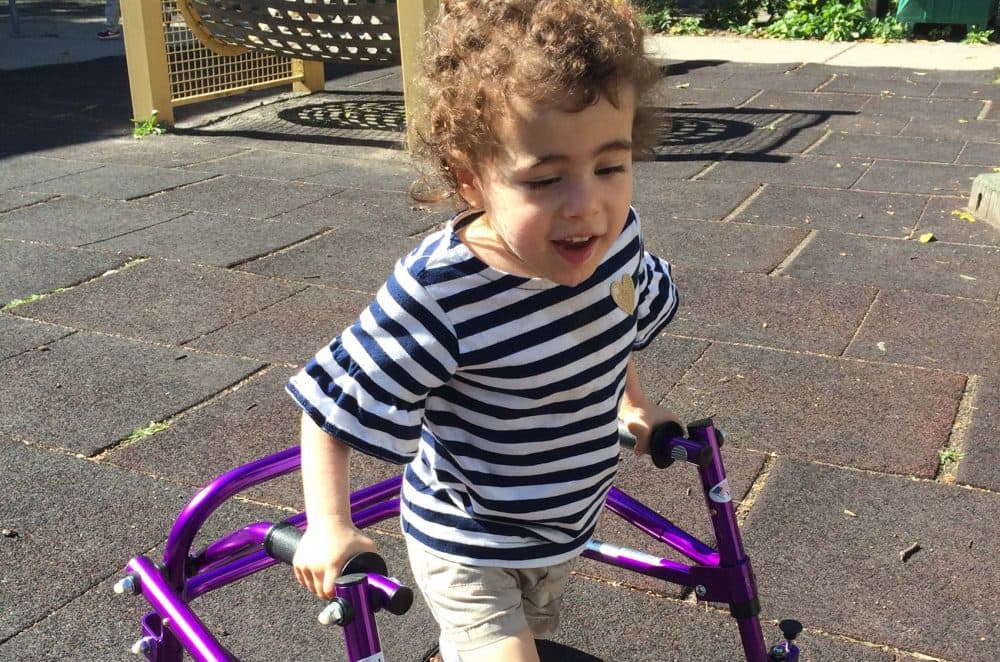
point(790, 629)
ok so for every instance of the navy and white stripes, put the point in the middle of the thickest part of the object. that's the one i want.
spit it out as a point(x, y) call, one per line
point(500, 392)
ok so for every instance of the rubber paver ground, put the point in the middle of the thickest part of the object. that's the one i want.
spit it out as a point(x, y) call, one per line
point(180, 279)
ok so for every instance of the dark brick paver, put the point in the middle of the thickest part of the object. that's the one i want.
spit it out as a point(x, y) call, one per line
point(210, 239)
point(840, 411)
point(774, 312)
point(118, 182)
point(292, 330)
point(252, 197)
point(20, 335)
point(731, 246)
point(181, 302)
point(854, 560)
point(954, 333)
point(34, 269)
point(950, 220)
point(78, 221)
point(909, 177)
point(59, 396)
point(891, 147)
point(54, 558)
point(859, 212)
point(840, 357)
point(346, 257)
point(982, 452)
point(937, 267)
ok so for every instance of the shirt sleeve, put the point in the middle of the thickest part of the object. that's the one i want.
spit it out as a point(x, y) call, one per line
point(656, 299)
point(367, 387)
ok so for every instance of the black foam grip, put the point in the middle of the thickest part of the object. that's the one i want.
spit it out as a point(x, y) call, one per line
point(659, 443)
point(364, 563)
point(401, 601)
point(281, 541)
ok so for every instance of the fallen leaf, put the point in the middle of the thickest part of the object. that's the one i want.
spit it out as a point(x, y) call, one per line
point(964, 215)
point(927, 238)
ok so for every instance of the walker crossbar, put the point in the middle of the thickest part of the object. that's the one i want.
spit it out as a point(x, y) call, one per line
point(721, 574)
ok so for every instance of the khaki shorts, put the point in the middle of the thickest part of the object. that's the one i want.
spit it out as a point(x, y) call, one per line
point(477, 606)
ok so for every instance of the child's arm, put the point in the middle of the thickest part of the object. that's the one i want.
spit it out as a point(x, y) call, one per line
point(331, 537)
point(638, 414)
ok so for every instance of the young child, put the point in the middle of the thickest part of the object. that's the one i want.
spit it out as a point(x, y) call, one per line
point(495, 361)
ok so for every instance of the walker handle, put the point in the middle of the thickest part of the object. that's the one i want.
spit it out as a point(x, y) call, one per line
point(283, 538)
point(667, 444)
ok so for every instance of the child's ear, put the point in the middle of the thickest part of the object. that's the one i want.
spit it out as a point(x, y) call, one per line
point(468, 188)
point(468, 185)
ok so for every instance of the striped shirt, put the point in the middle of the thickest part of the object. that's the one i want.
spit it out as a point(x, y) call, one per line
point(500, 394)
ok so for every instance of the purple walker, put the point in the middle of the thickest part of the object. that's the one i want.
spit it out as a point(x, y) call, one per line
point(722, 575)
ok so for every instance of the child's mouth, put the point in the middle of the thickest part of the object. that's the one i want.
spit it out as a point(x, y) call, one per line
point(576, 249)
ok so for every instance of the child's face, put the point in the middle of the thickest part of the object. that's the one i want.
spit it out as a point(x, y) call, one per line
point(557, 195)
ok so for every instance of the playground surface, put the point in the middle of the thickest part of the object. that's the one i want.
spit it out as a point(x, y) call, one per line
point(180, 279)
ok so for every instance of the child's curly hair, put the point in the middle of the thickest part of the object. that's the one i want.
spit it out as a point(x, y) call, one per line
point(481, 54)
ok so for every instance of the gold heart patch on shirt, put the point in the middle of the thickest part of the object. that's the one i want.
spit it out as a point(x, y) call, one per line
point(623, 294)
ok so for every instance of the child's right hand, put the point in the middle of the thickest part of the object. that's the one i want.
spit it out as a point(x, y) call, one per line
point(322, 553)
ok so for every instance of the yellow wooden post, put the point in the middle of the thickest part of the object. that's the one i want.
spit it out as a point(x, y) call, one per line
point(415, 16)
point(313, 77)
point(146, 56)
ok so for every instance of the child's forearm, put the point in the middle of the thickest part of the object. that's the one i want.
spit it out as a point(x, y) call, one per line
point(634, 398)
point(325, 476)
point(638, 414)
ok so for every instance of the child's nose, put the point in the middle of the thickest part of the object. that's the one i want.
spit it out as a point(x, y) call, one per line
point(581, 199)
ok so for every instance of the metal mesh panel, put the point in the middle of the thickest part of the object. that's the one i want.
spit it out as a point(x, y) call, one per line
point(340, 30)
point(197, 73)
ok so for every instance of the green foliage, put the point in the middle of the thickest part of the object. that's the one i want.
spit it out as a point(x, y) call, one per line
point(978, 36)
point(147, 127)
point(741, 15)
point(662, 16)
point(950, 456)
point(23, 300)
point(832, 20)
point(687, 25)
point(886, 29)
point(148, 431)
point(31, 298)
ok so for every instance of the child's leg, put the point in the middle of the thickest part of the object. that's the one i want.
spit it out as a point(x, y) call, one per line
point(112, 13)
point(488, 614)
point(518, 648)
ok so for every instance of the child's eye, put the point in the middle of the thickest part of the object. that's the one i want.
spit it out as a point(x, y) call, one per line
point(541, 183)
point(611, 170)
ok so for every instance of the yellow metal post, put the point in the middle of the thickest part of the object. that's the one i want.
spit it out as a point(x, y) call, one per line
point(415, 16)
point(313, 78)
point(146, 55)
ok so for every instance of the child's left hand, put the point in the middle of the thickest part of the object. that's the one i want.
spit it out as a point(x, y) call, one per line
point(642, 420)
